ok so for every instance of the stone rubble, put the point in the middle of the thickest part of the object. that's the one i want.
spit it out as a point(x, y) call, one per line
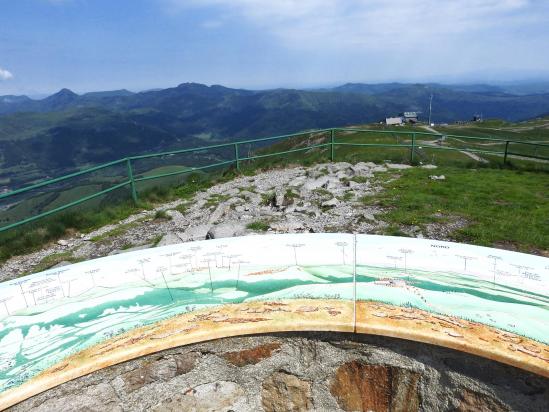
point(321, 198)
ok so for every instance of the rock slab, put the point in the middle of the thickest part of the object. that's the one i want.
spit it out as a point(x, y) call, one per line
point(359, 386)
point(285, 392)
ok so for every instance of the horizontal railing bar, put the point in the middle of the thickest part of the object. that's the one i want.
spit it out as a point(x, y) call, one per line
point(351, 129)
point(181, 172)
point(373, 144)
point(530, 143)
point(491, 139)
point(407, 132)
point(61, 208)
point(418, 146)
point(197, 149)
point(301, 149)
point(61, 178)
point(192, 149)
point(527, 155)
point(226, 162)
point(235, 144)
point(283, 136)
point(145, 178)
point(457, 149)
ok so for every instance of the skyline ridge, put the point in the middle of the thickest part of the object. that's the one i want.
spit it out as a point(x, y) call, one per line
point(141, 44)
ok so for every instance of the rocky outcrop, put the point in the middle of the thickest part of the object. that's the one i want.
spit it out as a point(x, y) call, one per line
point(479, 402)
point(359, 386)
point(100, 396)
point(253, 355)
point(216, 396)
point(321, 198)
point(284, 392)
point(229, 229)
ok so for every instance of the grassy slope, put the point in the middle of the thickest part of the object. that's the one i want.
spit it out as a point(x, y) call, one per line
point(504, 207)
point(530, 130)
point(85, 218)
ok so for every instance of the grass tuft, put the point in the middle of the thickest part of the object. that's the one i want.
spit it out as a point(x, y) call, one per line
point(259, 226)
point(162, 215)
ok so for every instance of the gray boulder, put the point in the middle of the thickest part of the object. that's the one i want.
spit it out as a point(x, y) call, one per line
point(331, 203)
point(169, 238)
point(230, 229)
point(196, 233)
point(397, 166)
point(311, 185)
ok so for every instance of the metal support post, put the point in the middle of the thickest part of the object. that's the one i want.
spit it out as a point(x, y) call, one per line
point(332, 138)
point(412, 148)
point(132, 181)
point(506, 150)
point(236, 156)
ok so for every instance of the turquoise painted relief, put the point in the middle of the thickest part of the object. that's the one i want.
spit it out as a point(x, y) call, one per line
point(50, 315)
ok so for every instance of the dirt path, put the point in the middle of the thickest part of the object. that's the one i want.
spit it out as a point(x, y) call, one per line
point(466, 153)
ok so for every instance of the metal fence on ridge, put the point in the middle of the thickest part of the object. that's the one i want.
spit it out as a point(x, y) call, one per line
point(52, 196)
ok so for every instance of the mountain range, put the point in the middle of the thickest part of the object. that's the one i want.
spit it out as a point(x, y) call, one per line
point(67, 131)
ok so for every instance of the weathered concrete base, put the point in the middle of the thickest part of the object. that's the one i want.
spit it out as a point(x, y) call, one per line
point(301, 371)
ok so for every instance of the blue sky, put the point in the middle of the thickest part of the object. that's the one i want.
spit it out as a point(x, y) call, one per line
point(88, 45)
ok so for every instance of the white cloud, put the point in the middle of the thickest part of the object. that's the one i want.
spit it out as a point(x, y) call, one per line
point(5, 74)
point(374, 24)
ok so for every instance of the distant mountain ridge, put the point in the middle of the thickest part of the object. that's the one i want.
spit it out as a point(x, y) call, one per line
point(66, 131)
point(66, 99)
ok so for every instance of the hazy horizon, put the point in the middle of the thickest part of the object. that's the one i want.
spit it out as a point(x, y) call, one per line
point(525, 82)
point(85, 45)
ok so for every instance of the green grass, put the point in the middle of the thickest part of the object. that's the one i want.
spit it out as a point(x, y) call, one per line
point(530, 130)
point(162, 215)
point(267, 198)
point(216, 199)
point(33, 236)
point(164, 181)
point(183, 208)
point(400, 153)
point(520, 185)
point(118, 231)
point(156, 240)
point(52, 260)
point(323, 192)
point(359, 179)
point(347, 196)
point(291, 195)
point(47, 201)
point(251, 189)
point(502, 207)
point(259, 226)
point(75, 193)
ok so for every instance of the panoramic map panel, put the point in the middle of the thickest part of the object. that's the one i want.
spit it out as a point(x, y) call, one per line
point(48, 317)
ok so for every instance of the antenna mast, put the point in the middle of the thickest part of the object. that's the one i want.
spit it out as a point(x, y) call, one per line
point(430, 108)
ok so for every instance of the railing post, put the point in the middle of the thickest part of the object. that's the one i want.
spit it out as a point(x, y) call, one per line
point(506, 150)
point(412, 148)
point(132, 181)
point(236, 158)
point(332, 138)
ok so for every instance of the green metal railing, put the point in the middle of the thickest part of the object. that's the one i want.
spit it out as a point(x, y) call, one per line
point(132, 181)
